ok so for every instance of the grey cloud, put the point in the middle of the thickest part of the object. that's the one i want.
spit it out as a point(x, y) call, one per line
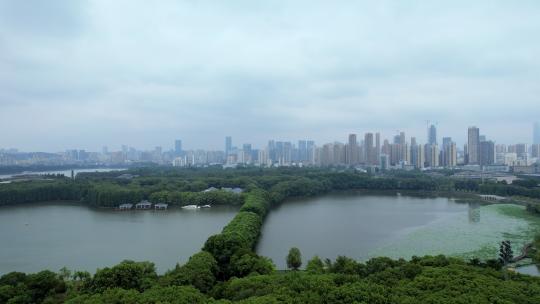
point(201, 70)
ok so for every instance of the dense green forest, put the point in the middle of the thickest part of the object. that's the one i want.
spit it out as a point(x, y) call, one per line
point(227, 268)
point(185, 186)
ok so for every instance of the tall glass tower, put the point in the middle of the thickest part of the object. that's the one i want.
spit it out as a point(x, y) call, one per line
point(432, 135)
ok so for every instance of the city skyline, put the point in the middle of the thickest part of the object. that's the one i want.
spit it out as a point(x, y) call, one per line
point(93, 73)
point(404, 152)
point(432, 131)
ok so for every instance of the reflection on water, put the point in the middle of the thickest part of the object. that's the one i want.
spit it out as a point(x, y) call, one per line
point(474, 212)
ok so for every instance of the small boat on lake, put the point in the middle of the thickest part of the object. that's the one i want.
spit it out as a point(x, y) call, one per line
point(191, 207)
point(205, 206)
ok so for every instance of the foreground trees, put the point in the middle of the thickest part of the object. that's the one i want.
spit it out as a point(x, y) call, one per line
point(430, 279)
point(294, 259)
point(505, 253)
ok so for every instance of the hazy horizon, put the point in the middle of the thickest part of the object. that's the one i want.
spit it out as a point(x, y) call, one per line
point(87, 74)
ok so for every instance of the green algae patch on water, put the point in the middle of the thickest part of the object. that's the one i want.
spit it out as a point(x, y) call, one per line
point(476, 233)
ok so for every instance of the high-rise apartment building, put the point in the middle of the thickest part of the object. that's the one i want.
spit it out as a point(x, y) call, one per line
point(432, 155)
point(228, 145)
point(352, 150)
point(522, 150)
point(432, 135)
point(417, 154)
point(369, 150)
point(487, 153)
point(377, 145)
point(395, 154)
point(473, 146)
point(535, 150)
point(178, 147)
point(302, 151)
point(450, 154)
point(311, 151)
point(446, 141)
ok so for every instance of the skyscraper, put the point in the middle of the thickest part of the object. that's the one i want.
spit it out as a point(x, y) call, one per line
point(377, 145)
point(178, 147)
point(432, 135)
point(535, 150)
point(446, 141)
point(228, 145)
point(352, 150)
point(473, 146)
point(310, 151)
point(369, 149)
point(302, 151)
point(487, 153)
point(403, 142)
point(434, 156)
point(536, 133)
point(446, 152)
point(522, 151)
point(450, 155)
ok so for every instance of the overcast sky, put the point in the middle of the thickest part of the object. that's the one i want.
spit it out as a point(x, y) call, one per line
point(83, 74)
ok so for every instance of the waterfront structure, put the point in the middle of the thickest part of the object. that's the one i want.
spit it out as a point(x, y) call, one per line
point(143, 205)
point(125, 206)
point(161, 206)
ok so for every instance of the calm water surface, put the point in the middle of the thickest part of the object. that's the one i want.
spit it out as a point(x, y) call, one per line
point(529, 269)
point(52, 235)
point(364, 226)
point(34, 237)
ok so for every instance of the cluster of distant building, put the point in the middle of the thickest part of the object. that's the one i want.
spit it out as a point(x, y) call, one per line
point(372, 153)
point(369, 152)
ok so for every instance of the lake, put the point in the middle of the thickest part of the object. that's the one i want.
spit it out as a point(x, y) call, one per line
point(365, 226)
point(53, 235)
point(42, 236)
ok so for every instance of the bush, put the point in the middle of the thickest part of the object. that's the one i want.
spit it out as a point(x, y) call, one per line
point(244, 264)
point(126, 275)
point(200, 272)
point(315, 265)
